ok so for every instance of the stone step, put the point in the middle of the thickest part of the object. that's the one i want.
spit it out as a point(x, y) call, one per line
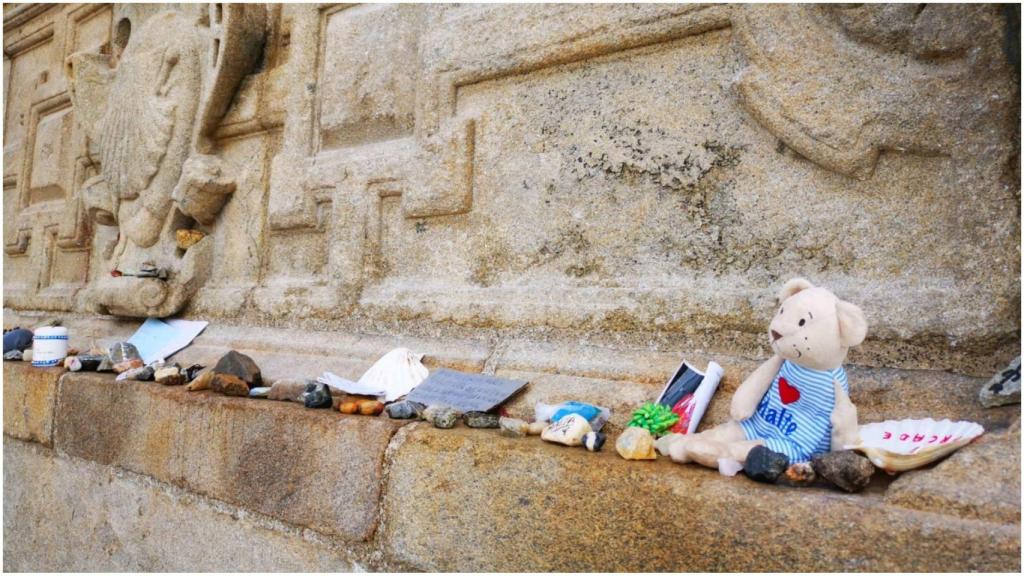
point(617, 376)
point(465, 499)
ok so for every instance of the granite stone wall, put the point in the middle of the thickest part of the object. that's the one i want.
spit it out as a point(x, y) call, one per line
point(646, 174)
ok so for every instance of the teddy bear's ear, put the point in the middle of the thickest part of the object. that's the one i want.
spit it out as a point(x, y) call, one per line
point(852, 325)
point(792, 287)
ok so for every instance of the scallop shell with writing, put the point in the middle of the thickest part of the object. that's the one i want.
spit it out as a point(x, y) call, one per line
point(899, 445)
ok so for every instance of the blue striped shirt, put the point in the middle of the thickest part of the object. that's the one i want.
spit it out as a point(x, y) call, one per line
point(795, 415)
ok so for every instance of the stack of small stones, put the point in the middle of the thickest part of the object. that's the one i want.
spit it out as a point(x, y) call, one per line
point(845, 469)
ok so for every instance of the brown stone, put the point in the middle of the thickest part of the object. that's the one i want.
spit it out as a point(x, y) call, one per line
point(846, 469)
point(370, 407)
point(229, 385)
point(348, 407)
point(169, 376)
point(203, 381)
point(287, 389)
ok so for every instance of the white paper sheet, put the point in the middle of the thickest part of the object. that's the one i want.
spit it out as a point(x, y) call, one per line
point(346, 385)
point(157, 339)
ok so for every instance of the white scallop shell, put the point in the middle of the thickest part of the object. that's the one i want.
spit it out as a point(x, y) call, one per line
point(898, 445)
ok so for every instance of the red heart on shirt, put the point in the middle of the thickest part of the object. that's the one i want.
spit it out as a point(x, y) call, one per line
point(787, 393)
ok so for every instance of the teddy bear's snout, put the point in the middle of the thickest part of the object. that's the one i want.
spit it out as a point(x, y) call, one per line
point(775, 335)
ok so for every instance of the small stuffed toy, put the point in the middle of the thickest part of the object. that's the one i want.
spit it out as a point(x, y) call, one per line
point(797, 403)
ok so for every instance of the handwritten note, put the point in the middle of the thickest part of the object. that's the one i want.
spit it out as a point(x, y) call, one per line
point(464, 392)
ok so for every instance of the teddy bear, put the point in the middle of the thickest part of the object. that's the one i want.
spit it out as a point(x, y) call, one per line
point(796, 403)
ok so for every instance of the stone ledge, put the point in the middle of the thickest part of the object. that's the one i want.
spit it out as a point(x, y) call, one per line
point(69, 514)
point(465, 500)
point(981, 481)
point(311, 468)
point(30, 395)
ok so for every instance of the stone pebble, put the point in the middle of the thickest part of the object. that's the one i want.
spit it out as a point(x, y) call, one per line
point(370, 407)
point(846, 469)
point(513, 427)
point(18, 339)
point(636, 443)
point(405, 410)
point(765, 465)
point(242, 366)
point(287, 389)
point(568, 431)
point(169, 376)
point(204, 381)
point(441, 416)
point(317, 395)
point(799, 475)
point(229, 385)
point(594, 441)
point(144, 374)
point(481, 420)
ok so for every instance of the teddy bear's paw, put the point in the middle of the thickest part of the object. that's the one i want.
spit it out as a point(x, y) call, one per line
point(679, 453)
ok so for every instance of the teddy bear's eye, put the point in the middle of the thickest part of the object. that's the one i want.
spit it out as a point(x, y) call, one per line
point(781, 310)
point(802, 321)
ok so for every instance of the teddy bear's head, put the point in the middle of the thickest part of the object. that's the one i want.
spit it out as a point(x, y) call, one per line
point(814, 328)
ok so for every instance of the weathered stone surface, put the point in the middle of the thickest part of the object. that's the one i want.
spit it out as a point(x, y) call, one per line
point(30, 395)
point(306, 467)
point(612, 159)
point(588, 200)
point(64, 514)
point(981, 480)
point(454, 474)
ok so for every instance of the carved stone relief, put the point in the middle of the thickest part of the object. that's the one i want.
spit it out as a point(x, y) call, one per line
point(840, 84)
point(602, 169)
point(149, 110)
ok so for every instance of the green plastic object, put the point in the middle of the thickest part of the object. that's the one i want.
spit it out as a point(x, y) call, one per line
point(656, 418)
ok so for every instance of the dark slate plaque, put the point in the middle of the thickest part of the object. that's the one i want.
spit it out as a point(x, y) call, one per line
point(464, 392)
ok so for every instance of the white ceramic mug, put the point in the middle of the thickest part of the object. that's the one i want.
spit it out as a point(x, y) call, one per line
point(49, 346)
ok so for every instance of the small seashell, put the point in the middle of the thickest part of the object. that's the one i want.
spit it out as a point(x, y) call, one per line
point(899, 445)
